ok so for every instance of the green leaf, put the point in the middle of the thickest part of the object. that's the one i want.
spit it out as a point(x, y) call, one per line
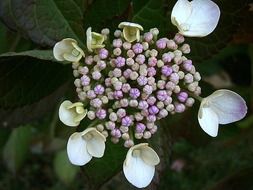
point(106, 13)
point(25, 80)
point(150, 14)
point(45, 22)
point(39, 54)
point(17, 147)
point(101, 170)
point(64, 170)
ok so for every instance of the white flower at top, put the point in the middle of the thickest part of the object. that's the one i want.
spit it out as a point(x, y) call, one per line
point(68, 50)
point(94, 40)
point(221, 107)
point(197, 18)
point(139, 165)
point(71, 113)
point(131, 31)
point(83, 146)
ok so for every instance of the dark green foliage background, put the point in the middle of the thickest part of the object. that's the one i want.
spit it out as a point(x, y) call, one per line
point(33, 84)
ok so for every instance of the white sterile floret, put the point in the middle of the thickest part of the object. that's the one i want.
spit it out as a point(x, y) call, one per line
point(221, 107)
point(131, 31)
point(197, 18)
point(71, 114)
point(83, 146)
point(94, 40)
point(139, 165)
point(68, 50)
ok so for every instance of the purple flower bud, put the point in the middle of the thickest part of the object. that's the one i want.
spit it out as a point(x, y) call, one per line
point(110, 125)
point(153, 110)
point(120, 61)
point(142, 80)
point(117, 43)
point(99, 89)
point(179, 108)
point(161, 43)
point(96, 102)
point(121, 113)
point(126, 121)
point(151, 100)
point(117, 72)
point(182, 96)
point(143, 105)
point(148, 36)
point(127, 73)
point(116, 133)
point(126, 87)
point(91, 94)
point(96, 75)
point(187, 65)
point(140, 128)
point(174, 78)
point(101, 65)
point(103, 53)
point(84, 70)
point(152, 61)
point(89, 60)
point(151, 71)
point(118, 94)
point(167, 71)
point(101, 114)
point(85, 80)
point(168, 101)
point(145, 112)
point(161, 95)
point(140, 59)
point(148, 89)
point(166, 58)
point(127, 45)
point(151, 118)
point(134, 93)
point(171, 45)
point(124, 102)
point(163, 113)
point(170, 85)
point(108, 82)
point(179, 38)
point(137, 48)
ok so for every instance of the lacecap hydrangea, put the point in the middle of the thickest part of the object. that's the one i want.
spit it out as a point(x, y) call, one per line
point(128, 83)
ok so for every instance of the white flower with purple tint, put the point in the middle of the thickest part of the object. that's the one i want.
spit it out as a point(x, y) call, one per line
point(131, 31)
point(82, 146)
point(139, 165)
point(71, 114)
point(221, 107)
point(196, 18)
point(67, 49)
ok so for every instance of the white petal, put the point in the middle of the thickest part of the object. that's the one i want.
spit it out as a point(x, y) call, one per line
point(96, 146)
point(67, 116)
point(62, 47)
point(203, 18)
point(228, 105)
point(77, 151)
point(138, 172)
point(124, 24)
point(149, 156)
point(208, 120)
point(89, 39)
point(180, 12)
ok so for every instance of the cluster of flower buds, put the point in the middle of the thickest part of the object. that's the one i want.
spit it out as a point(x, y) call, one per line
point(128, 83)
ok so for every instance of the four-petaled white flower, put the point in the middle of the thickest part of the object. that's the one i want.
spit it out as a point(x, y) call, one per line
point(139, 165)
point(197, 18)
point(131, 31)
point(221, 107)
point(94, 40)
point(71, 113)
point(83, 146)
point(68, 50)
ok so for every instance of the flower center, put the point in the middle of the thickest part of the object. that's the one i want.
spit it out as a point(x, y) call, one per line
point(79, 109)
point(88, 136)
point(184, 27)
point(75, 52)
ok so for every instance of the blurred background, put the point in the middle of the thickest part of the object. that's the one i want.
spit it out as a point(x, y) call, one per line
point(33, 84)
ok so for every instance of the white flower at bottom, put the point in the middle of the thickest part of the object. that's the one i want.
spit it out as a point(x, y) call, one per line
point(221, 107)
point(139, 165)
point(83, 146)
point(67, 49)
point(71, 113)
point(197, 18)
